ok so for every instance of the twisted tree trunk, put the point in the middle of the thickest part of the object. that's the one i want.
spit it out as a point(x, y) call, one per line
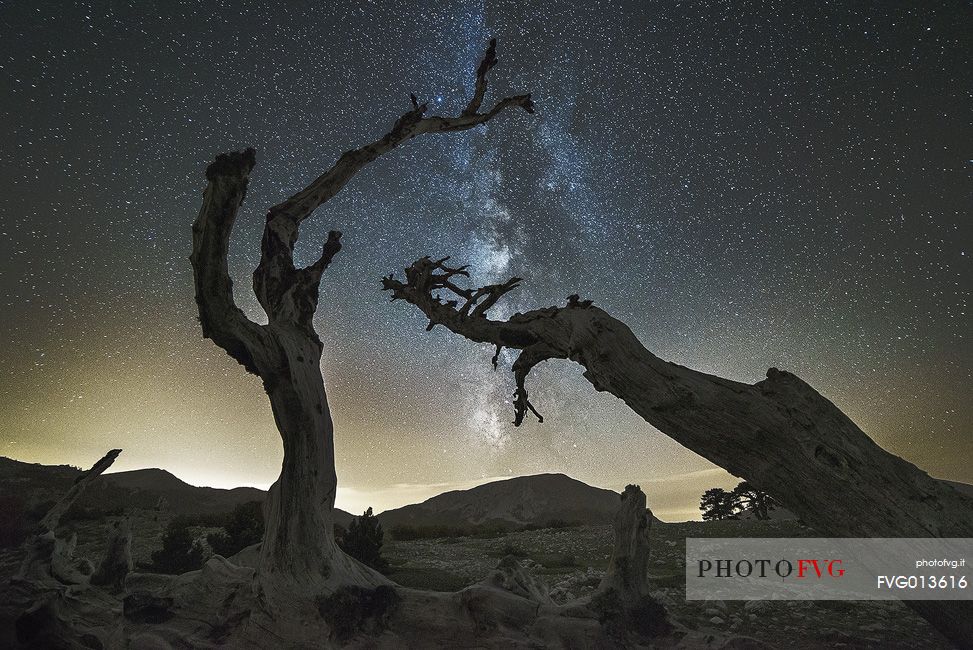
point(298, 546)
point(779, 434)
point(628, 568)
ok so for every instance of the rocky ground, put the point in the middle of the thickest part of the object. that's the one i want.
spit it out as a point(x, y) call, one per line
point(572, 562)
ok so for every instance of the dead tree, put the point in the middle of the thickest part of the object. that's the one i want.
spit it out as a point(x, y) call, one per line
point(117, 562)
point(285, 353)
point(628, 569)
point(779, 434)
point(48, 604)
point(50, 558)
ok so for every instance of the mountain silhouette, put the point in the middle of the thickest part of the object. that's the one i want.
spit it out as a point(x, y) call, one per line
point(519, 501)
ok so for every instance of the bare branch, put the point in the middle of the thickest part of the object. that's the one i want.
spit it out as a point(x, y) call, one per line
point(49, 558)
point(328, 251)
point(413, 123)
point(489, 60)
point(221, 320)
point(496, 356)
point(53, 517)
point(535, 333)
point(275, 275)
point(493, 293)
point(529, 358)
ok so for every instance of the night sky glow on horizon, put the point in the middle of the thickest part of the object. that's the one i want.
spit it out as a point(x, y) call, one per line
point(746, 185)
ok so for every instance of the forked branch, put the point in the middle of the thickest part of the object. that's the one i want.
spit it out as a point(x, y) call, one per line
point(537, 333)
point(273, 276)
point(287, 294)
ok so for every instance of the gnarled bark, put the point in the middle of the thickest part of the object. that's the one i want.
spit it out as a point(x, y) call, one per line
point(779, 434)
point(628, 568)
point(298, 545)
point(117, 562)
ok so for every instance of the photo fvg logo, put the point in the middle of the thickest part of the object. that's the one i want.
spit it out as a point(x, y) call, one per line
point(765, 568)
point(827, 568)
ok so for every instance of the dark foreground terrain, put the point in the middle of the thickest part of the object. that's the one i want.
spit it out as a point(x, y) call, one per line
point(572, 560)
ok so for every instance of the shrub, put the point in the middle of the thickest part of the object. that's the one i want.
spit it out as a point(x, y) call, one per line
point(180, 552)
point(363, 541)
point(353, 609)
point(490, 531)
point(550, 523)
point(404, 532)
point(244, 527)
point(646, 617)
point(561, 523)
point(339, 532)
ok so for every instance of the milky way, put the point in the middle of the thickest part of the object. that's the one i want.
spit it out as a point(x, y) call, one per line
point(747, 185)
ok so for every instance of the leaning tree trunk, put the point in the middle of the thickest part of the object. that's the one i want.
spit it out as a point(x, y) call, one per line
point(779, 434)
point(298, 545)
point(50, 558)
point(48, 604)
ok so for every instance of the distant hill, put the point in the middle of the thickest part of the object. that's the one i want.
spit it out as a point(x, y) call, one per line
point(514, 502)
point(148, 486)
point(34, 483)
point(142, 488)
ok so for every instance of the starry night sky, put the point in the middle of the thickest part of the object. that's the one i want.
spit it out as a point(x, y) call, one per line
point(746, 184)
